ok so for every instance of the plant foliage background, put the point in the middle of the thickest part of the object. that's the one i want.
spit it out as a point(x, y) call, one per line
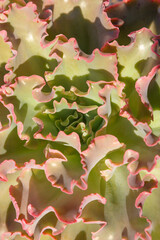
point(79, 120)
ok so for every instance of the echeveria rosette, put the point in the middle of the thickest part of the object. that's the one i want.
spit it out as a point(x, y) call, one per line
point(67, 118)
point(79, 120)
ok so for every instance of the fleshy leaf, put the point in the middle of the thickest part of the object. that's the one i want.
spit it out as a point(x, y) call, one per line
point(5, 201)
point(79, 230)
point(135, 65)
point(32, 57)
point(25, 96)
point(15, 236)
point(133, 138)
point(75, 70)
point(4, 113)
point(79, 119)
point(34, 185)
point(125, 194)
point(4, 133)
point(121, 209)
point(64, 168)
point(12, 148)
point(45, 222)
point(113, 98)
point(151, 205)
point(91, 156)
point(90, 18)
point(131, 14)
point(6, 54)
point(149, 90)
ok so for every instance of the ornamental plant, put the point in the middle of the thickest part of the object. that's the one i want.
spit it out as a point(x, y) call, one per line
point(79, 120)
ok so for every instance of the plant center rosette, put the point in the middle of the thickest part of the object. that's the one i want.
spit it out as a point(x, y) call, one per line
point(79, 120)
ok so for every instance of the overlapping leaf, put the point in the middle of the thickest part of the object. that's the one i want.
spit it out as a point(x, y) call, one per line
point(79, 120)
point(27, 38)
point(75, 70)
point(94, 27)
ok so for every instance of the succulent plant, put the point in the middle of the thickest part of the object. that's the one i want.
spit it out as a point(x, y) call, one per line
point(79, 120)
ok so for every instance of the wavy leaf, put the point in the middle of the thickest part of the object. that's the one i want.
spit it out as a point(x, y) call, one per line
point(75, 70)
point(25, 96)
point(89, 22)
point(32, 56)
